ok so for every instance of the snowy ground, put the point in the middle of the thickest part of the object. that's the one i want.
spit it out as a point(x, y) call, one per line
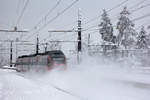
point(98, 80)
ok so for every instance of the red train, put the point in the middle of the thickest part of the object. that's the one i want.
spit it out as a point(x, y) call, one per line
point(41, 61)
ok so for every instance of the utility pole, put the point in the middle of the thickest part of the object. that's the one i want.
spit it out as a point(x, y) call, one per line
point(11, 53)
point(79, 38)
point(79, 32)
point(37, 46)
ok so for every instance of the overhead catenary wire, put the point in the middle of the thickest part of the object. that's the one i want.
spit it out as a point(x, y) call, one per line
point(22, 12)
point(67, 31)
point(45, 17)
point(134, 10)
point(71, 36)
point(143, 6)
point(58, 14)
point(137, 4)
point(118, 5)
point(49, 12)
point(99, 16)
point(54, 18)
point(69, 24)
point(62, 36)
point(135, 19)
point(95, 18)
point(141, 17)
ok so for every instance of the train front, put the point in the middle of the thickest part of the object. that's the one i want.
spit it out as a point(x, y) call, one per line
point(57, 59)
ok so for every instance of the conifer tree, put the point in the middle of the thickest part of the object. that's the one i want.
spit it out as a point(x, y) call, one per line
point(127, 34)
point(106, 28)
point(142, 41)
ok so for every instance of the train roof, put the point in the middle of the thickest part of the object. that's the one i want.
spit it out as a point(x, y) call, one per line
point(45, 53)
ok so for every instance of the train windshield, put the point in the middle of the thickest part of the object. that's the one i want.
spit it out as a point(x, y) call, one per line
point(58, 57)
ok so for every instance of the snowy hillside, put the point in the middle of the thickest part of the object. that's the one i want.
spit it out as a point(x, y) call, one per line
point(98, 81)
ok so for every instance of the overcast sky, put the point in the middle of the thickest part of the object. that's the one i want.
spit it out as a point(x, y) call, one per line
point(37, 9)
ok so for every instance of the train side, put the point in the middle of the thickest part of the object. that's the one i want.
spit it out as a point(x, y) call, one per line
point(42, 61)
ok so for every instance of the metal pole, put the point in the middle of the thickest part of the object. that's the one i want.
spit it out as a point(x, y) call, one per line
point(11, 54)
point(88, 43)
point(79, 32)
point(37, 46)
point(88, 40)
point(79, 38)
point(16, 53)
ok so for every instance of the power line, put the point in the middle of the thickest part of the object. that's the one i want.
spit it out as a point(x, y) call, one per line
point(138, 18)
point(108, 11)
point(143, 6)
point(69, 24)
point(118, 5)
point(90, 27)
point(130, 8)
point(67, 35)
point(136, 5)
point(49, 12)
point(95, 18)
point(54, 18)
point(64, 31)
point(144, 16)
point(24, 8)
point(58, 14)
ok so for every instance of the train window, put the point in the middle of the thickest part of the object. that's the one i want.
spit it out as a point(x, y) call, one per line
point(58, 59)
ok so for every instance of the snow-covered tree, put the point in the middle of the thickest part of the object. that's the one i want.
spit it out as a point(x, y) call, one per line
point(127, 34)
point(106, 28)
point(142, 41)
